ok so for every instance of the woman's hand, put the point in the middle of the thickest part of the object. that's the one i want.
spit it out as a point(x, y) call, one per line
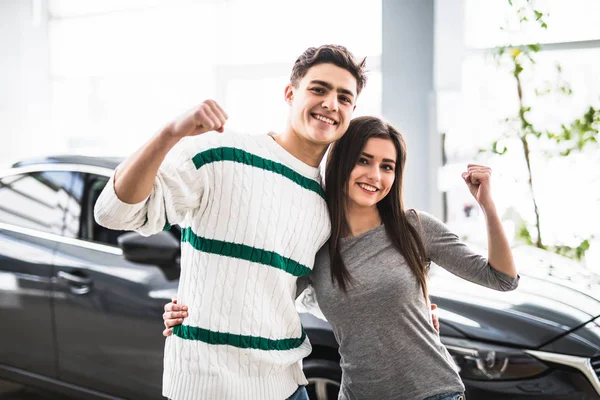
point(478, 179)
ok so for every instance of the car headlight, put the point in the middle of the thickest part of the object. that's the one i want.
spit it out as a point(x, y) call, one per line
point(482, 361)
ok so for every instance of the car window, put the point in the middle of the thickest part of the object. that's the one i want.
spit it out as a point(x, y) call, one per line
point(73, 205)
point(36, 200)
point(90, 229)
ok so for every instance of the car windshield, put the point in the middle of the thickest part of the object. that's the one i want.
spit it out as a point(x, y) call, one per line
point(540, 263)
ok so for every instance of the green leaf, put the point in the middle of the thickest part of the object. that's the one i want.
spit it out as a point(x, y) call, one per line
point(497, 148)
point(576, 253)
point(538, 15)
point(566, 152)
point(566, 90)
point(518, 69)
point(523, 234)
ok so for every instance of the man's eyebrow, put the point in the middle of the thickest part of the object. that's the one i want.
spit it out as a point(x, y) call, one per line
point(389, 160)
point(330, 87)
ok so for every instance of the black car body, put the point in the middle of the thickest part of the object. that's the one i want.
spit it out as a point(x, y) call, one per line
point(81, 305)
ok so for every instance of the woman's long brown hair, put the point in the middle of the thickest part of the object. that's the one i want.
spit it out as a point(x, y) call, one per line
point(343, 157)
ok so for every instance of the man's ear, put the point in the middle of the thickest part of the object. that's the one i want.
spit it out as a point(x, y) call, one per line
point(289, 93)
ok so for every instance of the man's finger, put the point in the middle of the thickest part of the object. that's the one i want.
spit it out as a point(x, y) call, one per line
point(222, 111)
point(206, 119)
point(215, 118)
point(216, 114)
point(434, 317)
point(218, 111)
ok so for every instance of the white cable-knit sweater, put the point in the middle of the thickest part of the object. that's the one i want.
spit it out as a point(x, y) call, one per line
point(252, 218)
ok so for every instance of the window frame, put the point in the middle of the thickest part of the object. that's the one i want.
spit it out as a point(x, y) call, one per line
point(51, 202)
point(68, 167)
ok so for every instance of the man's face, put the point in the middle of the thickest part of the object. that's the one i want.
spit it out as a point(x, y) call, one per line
point(322, 104)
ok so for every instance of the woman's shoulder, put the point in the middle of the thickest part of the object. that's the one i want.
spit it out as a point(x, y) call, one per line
point(421, 218)
point(323, 251)
point(322, 258)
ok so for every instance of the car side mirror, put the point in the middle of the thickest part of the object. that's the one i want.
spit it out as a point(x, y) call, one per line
point(161, 249)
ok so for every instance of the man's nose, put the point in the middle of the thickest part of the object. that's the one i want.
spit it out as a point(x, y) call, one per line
point(331, 102)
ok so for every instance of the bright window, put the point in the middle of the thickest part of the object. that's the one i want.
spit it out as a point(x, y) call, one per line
point(122, 69)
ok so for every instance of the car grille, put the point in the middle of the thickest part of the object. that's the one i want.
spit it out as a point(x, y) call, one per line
point(596, 366)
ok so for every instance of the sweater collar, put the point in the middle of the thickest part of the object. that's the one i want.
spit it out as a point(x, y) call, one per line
point(290, 160)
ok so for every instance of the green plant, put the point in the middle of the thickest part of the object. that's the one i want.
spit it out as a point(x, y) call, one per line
point(574, 136)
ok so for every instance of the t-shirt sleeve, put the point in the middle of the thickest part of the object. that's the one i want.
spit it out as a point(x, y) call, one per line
point(178, 188)
point(302, 284)
point(445, 249)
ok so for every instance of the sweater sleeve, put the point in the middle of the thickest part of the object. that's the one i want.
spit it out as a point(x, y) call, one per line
point(445, 249)
point(178, 188)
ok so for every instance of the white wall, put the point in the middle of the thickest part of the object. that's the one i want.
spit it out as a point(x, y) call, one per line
point(24, 78)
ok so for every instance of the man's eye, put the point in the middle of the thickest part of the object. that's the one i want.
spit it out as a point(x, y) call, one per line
point(318, 90)
point(345, 99)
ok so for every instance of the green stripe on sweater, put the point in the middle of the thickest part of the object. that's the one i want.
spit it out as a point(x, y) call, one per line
point(240, 341)
point(243, 157)
point(244, 252)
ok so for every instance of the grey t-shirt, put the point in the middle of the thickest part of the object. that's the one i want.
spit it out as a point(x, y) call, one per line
point(388, 346)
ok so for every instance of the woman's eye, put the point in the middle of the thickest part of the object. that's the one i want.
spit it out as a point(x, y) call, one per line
point(363, 161)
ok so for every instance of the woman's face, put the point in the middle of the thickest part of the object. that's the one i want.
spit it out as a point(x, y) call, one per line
point(374, 173)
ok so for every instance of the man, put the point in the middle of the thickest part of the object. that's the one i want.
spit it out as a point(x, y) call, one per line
point(253, 215)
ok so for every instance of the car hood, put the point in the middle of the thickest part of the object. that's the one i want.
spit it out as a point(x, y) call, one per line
point(551, 300)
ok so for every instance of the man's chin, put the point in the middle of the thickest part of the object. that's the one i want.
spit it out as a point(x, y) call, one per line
point(324, 138)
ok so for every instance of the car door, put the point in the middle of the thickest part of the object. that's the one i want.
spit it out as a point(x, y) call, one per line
point(31, 218)
point(108, 310)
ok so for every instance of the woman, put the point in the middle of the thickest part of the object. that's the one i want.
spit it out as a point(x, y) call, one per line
point(371, 278)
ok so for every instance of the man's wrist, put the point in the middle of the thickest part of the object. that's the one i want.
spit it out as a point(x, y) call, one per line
point(167, 138)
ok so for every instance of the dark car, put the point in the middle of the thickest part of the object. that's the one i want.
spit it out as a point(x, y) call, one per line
point(81, 305)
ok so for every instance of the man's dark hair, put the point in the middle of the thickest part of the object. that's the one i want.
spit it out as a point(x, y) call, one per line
point(332, 54)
